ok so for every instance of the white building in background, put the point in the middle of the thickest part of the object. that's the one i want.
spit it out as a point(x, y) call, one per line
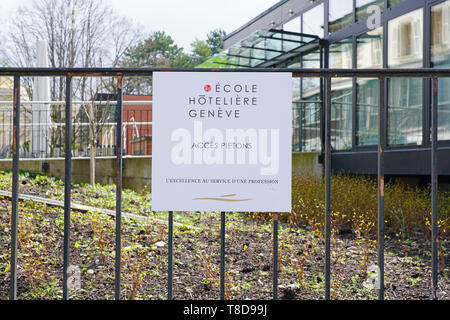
point(41, 120)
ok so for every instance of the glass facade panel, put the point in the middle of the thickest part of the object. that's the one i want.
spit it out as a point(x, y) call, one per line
point(405, 111)
point(440, 58)
point(367, 112)
point(311, 106)
point(296, 120)
point(369, 56)
point(311, 126)
point(340, 14)
point(296, 82)
point(370, 50)
point(406, 40)
point(362, 8)
point(311, 86)
point(313, 21)
point(294, 25)
point(405, 103)
point(341, 56)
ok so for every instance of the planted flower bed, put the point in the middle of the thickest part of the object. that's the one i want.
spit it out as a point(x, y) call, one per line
point(248, 245)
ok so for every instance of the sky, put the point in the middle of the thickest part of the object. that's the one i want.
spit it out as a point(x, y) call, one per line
point(183, 20)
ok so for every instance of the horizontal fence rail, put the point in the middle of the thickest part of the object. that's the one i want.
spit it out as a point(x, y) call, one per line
point(63, 103)
point(325, 74)
point(296, 72)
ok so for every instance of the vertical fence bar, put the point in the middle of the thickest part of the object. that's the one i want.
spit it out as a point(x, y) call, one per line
point(327, 186)
point(434, 189)
point(15, 188)
point(118, 187)
point(222, 255)
point(275, 256)
point(381, 142)
point(67, 184)
point(170, 258)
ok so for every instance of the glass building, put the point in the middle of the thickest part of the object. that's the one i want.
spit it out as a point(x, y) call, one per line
point(358, 34)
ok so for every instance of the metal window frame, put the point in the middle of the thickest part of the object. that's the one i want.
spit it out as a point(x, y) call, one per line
point(358, 28)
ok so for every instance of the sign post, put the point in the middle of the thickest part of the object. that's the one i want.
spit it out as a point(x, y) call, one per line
point(222, 142)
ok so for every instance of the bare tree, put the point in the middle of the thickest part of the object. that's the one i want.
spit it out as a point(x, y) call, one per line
point(79, 33)
point(97, 114)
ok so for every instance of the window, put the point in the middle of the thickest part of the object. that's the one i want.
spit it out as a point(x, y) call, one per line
point(340, 15)
point(311, 86)
point(406, 40)
point(310, 107)
point(405, 102)
point(363, 6)
point(405, 111)
point(311, 110)
point(440, 33)
point(296, 82)
point(369, 56)
point(311, 126)
point(295, 127)
point(440, 58)
point(313, 21)
point(341, 54)
point(369, 50)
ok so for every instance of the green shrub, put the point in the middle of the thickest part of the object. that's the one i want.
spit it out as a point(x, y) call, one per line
point(354, 205)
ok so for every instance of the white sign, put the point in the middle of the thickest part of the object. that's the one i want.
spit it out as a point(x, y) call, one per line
point(222, 141)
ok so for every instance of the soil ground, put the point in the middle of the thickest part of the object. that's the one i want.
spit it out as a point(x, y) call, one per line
point(197, 258)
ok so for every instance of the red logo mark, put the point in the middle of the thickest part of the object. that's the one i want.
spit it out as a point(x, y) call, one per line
point(207, 88)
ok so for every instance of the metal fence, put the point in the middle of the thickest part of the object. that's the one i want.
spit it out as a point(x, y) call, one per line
point(325, 74)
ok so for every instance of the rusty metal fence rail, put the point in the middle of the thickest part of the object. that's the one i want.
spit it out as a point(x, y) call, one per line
point(325, 74)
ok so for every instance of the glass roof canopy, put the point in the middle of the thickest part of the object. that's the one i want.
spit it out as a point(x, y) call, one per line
point(263, 49)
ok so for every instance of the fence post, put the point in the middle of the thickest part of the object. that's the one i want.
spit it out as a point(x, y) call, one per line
point(118, 187)
point(275, 256)
point(15, 188)
point(222, 255)
point(434, 189)
point(381, 144)
point(170, 258)
point(327, 186)
point(67, 184)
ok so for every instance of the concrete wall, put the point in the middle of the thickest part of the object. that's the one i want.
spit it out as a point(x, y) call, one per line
point(137, 170)
point(306, 163)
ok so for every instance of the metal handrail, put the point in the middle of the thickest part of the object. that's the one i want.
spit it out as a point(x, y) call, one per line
point(79, 102)
point(296, 72)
